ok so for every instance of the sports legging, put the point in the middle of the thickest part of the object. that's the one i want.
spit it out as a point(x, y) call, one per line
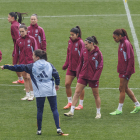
point(40, 106)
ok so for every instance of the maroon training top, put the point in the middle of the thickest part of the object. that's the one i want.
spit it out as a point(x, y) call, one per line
point(38, 33)
point(0, 55)
point(125, 57)
point(24, 50)
point(91, 64)
point(73, 54)
point(15, 31)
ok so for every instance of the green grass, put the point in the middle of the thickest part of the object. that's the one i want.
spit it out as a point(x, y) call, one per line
point(18, 118)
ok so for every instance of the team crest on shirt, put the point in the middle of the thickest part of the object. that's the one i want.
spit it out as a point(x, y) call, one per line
point(76, 45)
point(121, 49)
point(29, 41)
point(36, 30)
point(95, 54)
point(28, 46)
point(93, 58)
point(76, 49)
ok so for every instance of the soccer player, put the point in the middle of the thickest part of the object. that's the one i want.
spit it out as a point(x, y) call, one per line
point(12, 18)
point(75, 46)
point(42, 73)
point(37, 32)
point(24, 48)
point(0, 55)
point(125, 69)
point(88, 72)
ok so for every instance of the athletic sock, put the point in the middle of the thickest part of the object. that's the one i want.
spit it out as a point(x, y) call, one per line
point(120, 106)
point(81, 102)
point(32, 93)
point(69, 99)
point(98, 110)
point(20, 78)
point(72, 109)
point(137, 103)
point(27, 93)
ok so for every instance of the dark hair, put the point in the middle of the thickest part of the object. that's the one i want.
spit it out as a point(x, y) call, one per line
point(34, 15)
point(15, 14)
point(23, 26)
point(76, 30)
point(41, 54)
point(121, 32)
point(92, 39)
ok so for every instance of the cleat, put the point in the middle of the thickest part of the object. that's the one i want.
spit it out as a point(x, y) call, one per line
point(31, 98)
point(136, 110)
point(69, 114)
point(38, 132)
point(98, 116)
point(67, 106)
point(59, 132)
point(79, 107)
point(18, 82)
point(117, 112)
point(25, 98)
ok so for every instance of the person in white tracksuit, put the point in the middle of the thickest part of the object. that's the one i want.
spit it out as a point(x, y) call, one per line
point(42, 73)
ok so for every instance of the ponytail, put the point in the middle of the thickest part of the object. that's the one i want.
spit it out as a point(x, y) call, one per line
point(77, 30)
point(125, 34)
point(121, 32)
point(92, 39)
point(15, 14)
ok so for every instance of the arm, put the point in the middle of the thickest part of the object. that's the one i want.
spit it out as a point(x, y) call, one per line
point(34, 44)
point(130, 58)
point(65, 66)
point(15, 32)
point(43, 40)
point(19, 68)
point(0, 56)
point(55, 75)
point(81, 59)
point(99, 68)
point(16, 56)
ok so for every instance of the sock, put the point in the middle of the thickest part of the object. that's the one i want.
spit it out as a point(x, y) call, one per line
point(81, 102)
point(69, 99)
point(32, 93)
point(120, 106)
point(137, 103)
point(98, 110)
point(20, 78)
point(27, 93)
point(72, 109)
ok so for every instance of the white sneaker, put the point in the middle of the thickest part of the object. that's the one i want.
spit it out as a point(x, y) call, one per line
point(31, 98)
point(69, 114)
point(59, 131)
point(25, 98)
point(38, 132)
point(98, 116)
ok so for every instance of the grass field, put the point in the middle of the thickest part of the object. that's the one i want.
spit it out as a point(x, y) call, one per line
point(57, 17)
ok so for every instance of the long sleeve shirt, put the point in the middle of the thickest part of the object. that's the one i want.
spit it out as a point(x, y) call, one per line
point(73, 54)
point(125, 57)
point(24, 50)
point(38, 33)
point(42, 74)
point(91, 64)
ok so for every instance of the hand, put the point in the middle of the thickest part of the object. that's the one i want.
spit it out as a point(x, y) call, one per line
point(2, 67)
point(0, 60)
point(56, 87)
point(64, 67)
